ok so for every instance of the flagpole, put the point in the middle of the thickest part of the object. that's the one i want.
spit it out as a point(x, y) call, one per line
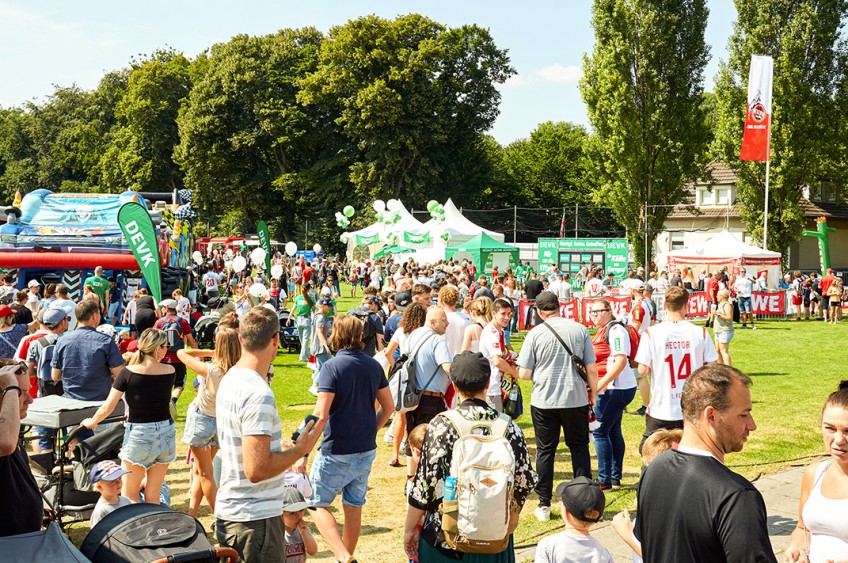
point(765, 217)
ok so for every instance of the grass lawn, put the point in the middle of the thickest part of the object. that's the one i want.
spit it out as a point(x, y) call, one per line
point(792, 364)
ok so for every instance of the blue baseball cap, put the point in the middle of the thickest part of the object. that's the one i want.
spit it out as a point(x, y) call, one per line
point(106, 471)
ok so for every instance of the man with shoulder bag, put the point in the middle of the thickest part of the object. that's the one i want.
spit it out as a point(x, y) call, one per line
point(558, 357)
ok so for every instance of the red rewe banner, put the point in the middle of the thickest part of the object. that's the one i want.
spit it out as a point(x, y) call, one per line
point(755, 135)
point(768, 303)
point(527, 315)
point(698, 306)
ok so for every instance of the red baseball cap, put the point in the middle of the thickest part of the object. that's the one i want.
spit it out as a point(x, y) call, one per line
point(5, 311)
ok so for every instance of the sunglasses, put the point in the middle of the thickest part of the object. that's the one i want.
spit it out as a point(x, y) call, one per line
point(599, 311)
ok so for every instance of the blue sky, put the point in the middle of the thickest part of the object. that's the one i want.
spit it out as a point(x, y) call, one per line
point(49, 42)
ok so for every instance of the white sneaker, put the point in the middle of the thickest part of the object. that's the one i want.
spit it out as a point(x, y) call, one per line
point(543, 513)
point(390, 435)
point(314, 389)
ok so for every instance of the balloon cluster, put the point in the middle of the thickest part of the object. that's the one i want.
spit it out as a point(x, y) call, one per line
point(445, 236)
point(391, 239)
point(387, 211)
point(437, 211)
point(343, 218)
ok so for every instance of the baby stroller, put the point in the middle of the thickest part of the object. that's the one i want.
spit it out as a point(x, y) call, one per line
point(289, 338)
point(62, 477)
point(151, 532)
point(205, 329)
point(45, 545)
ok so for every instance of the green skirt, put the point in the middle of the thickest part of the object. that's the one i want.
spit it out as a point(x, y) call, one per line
point(428, 554)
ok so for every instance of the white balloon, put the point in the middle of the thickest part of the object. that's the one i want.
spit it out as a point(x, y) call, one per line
point(198, 257)
point(276, 271)
point(379, 206)
point(258, 290)
point(291, 248)
point(317, 248)
point(239, 264)
point(392, 205)
point(258, 256)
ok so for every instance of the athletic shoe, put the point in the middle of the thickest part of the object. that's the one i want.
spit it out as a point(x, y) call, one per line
point(743, 327)
point(543, 513)
point(603, 485)
point(390, 435)
point(753, 327)
point(616, 483)
point(641, 411)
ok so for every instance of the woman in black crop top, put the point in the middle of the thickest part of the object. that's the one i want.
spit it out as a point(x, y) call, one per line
point(150, 437)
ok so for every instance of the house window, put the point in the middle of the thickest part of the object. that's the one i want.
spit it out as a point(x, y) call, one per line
point(723, 196)
point(677, 241)
point(707, 197)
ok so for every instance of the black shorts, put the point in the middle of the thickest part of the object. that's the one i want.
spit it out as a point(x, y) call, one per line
point(427, 410)
point(179, 374)
point(654, 424)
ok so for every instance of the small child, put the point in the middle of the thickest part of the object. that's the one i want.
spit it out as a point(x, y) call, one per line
point(296, 479)
point(299, 540)
point(416, 442)
point(124, 335)
point(583, 505)
point(657, 443)
point(107, 478)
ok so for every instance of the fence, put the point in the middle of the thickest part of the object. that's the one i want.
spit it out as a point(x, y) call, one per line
point(765, 305)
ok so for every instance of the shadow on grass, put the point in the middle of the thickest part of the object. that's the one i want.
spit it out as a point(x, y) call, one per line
point(767, 374)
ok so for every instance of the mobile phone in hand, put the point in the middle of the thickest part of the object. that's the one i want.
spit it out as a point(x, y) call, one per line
point(302, 426)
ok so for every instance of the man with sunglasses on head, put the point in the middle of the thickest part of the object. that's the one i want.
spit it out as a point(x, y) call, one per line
point(18, 488)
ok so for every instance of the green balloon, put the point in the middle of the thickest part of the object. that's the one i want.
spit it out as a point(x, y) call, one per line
point(348, 211)
point(432, 205)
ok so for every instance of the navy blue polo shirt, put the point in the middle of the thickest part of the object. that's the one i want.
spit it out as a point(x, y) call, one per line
point(355, 378)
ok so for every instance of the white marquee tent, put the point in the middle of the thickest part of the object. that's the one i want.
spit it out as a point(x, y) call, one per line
point(724, 249)
point(459, 227)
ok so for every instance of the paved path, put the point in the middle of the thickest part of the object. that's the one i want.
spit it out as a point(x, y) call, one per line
point(780, 491)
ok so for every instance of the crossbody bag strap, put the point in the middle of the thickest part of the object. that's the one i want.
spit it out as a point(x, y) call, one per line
point(6, 340)
point(564, 345)
point(435, 371)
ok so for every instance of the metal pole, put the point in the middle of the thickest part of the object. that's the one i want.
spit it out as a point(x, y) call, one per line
point(765, 215)
point(645, 258)
point(575, 218)
point(306, 236)
point(514, 222)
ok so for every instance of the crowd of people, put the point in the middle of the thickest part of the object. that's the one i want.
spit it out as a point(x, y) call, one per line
point(427, 352)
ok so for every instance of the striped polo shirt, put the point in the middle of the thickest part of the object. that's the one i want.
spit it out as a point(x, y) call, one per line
point(245, 407)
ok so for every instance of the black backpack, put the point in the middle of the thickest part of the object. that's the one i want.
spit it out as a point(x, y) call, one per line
point(369, 331)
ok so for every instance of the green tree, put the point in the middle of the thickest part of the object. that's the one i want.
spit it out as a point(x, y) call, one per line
point(246, 143)
point(140, 155)
point(17, 154)
point(643, 86)
point(412, 97)
point(807, 143)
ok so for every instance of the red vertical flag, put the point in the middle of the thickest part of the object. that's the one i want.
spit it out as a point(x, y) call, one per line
point(562, 226)
point(755, 136)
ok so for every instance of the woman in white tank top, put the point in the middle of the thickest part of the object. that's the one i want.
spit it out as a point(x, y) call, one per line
point(481, 313)
point(822, 532)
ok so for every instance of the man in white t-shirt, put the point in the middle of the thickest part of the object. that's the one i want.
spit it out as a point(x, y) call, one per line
point(211, 280)
point(493, 348)
point(249, 504)
point(744, 286)
point(33, 300)
point(457, 321)
point(668, 353)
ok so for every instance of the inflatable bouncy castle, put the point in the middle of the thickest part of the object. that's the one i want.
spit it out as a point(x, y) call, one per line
point(62, 237)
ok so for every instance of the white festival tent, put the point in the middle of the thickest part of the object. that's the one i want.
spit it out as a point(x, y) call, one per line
point(458, 227)
point(374, 236)
point(724, 249)
point(424, 240)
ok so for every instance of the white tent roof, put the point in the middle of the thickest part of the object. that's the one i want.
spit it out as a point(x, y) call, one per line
point(407, 223)
point(723, 246)
point(726, 250)
point(458, 226)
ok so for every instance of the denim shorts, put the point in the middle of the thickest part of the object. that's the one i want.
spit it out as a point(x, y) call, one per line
point(744, 304)
point(347, 473)
point(201, 430)
point(150, 443)
point(724, 337)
